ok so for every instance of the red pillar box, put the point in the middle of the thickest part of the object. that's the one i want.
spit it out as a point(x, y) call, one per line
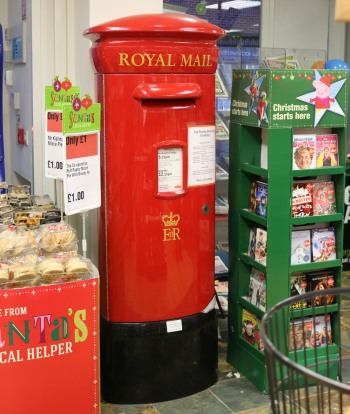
point(49, 353)
point(156, 86)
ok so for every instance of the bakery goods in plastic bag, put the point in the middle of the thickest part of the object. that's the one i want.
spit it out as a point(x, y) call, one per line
point(16, 241)
point(53, 238)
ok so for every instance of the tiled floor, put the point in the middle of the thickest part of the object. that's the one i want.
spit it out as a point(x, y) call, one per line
point(231, 394)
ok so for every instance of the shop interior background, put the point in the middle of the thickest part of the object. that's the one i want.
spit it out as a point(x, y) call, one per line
point(54, 46)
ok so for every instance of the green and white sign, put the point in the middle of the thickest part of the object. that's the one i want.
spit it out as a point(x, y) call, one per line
point(56, 95)
point(81, 116)
point(276, 98)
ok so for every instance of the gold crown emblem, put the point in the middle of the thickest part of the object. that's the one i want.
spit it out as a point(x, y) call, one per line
point(171, 219)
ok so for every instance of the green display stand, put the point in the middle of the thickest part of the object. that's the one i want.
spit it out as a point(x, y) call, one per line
point(261, 141)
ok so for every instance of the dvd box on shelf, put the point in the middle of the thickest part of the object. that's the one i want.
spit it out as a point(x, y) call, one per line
point(327, 150)
point(257, 289)
point(261, 245)
point(320, 281)
point(323, 198)
point(304, 147)
point(323, 244)
point(298, 286)
point(252, 242)
point(300, 247)
point(252, 197)
point(310, 332)
point(302, 199)
point(261, 199)
point(250, 329)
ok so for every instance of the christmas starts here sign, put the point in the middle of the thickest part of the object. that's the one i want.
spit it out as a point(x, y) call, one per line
point(280, 98)
point(49, 352)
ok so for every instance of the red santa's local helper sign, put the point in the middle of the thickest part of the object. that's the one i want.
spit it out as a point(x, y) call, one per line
point(49, 352)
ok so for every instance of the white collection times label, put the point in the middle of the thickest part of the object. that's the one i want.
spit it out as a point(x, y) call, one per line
point(170, 167)
point(201, 155)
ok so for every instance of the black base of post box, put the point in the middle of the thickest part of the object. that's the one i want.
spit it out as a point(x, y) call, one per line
point(144, 363)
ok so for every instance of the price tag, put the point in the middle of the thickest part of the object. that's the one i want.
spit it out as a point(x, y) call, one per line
point(170, 170)
point(54, 145)
point(81, 184)
point(82, 190)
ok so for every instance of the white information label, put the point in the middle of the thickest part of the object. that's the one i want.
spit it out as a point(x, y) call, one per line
point(170, 170)
point(82, 186)
point(174, 326)
point(54, 148)
point(201, 155)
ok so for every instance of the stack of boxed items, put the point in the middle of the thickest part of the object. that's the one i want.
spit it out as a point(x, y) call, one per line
point(18, 207)
point(36, 247)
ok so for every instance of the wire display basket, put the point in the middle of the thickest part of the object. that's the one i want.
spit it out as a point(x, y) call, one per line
point(307, 351)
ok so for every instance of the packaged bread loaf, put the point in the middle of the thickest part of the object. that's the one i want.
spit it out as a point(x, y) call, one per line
point(22, 274)
point(7, 240)
point(50, 270)
point(59, 268)
point(16, 241)
point(76, 268)
point(4, 275)
point(53, 238)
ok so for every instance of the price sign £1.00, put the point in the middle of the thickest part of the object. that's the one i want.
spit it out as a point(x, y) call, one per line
point(82, 181)
point(81, 185)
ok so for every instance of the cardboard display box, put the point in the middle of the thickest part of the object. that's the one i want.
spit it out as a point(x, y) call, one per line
point(49, 348)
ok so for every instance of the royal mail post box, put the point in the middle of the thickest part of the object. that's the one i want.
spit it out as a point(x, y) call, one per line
point(156, 85)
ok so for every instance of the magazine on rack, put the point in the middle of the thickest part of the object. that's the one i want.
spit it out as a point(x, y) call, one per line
point(221, 129)
point(220, 173)
point(220, 265)
point(221, 206)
